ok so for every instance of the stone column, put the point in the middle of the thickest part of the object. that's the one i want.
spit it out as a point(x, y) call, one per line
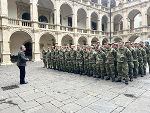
point(144, 19)
point(4, 8)
point(125, 23)
point(5, 43)
point(36, 47)
point(74, 20)
point(34, 13)
point(57, 15)
point(99, 23)
point(88, 21)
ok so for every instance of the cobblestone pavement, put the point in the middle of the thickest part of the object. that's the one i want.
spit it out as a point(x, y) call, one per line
point(50, 91)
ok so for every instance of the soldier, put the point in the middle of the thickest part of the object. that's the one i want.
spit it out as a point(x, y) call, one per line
point(48, 58)
point(144, 56)
point(79, 58)
point(61, 59)
point(85, 59)
point(73, 59)
point(122, 62)
point(67, 59)
point(135, 60)
point(110, 59)
point(130, 60)
point(44, 58)
point(148, 54)
point(53, 58)
point(56, 60)
point(92, 62)
point(100, 63)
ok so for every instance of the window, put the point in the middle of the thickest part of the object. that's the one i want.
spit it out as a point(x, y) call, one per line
point(43, 19)
point(26, 16)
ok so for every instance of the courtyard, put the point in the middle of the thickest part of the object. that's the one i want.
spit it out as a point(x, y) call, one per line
point(51, 91)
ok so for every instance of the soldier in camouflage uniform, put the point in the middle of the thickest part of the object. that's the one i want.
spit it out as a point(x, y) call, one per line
point(48, 58)
point(44, 58)
point(67, 59)
point(135, 60)
point(53, 58)
point(123, 54)
point(73, 58)
point(144, 56)
point(92, 62)
point(110, 59)
point(79, 58)
point(100, 63)
point(130, 60)
point(147, 46)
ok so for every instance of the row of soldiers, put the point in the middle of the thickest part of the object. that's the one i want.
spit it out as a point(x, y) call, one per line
point(117, 62)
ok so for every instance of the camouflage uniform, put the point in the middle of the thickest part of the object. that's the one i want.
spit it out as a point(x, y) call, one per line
point(123, 54)
point(67, 60)
point(92, 63)
point(144, 56)
point(53, 58)
point(110, 67)
point(130, 64)
point(79, 62)
point(48, 57)
point(148, 55)
point(100, 64)
point(73, 60)
point(86, 61)
point(61, 60)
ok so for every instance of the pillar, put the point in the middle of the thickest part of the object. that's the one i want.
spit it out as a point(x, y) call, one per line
point(57, 15)
point(88, 21)
point(75, 24)
point(4, 8)
point(36, 48)
point(125, 22)
point(5, 52)
point(34, 12)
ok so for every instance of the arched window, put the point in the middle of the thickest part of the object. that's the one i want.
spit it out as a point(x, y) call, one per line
point(43, 19)
point(26, 16)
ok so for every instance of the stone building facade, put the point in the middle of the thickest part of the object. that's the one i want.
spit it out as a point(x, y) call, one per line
point(42, 23)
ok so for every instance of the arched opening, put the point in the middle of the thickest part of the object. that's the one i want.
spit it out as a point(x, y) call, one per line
point(104, 23)
point(118, 23)
point(46, 41)
point(135, 39)
point(105, 40)
point(82, 41)
point(81, 18)
point(66, 14)
point(67, 40)
point(19, 9)
point(26, 16)
point(94, 1)
point(148, 16)
point(135, 19)
point(43, 19)
point(94, 41)
point(46, 11)
point(94, 21)
point(16, 40)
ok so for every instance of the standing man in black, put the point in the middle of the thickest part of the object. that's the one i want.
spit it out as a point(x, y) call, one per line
point(21, 63)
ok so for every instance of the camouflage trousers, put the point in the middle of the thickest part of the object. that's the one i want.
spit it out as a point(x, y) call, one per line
point(91, 69)
point(45, 63)
point(140, 68)
point(79, 66)
point(100, 70)
point(130, 66)
point(135, 69)
point(123, 70)
point(110, 70)
point(86, 66)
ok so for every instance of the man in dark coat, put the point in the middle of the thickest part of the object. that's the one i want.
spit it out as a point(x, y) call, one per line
point(21, 63)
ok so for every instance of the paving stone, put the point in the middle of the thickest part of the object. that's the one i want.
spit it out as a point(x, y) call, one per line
point(16, 100)
point(141, 105)
point(86, 100)
point(4, 106)
point(51, 108)
point(102, 106)
point(57, 103)
point(28, 105)
point(14, 109)
point(71, 108)
point(70, 100)
point(122, 100)
point(146, 94)
point(34, 96)
point(45, 99)
point(33, 110)
point(118, 109)
point(86, 110)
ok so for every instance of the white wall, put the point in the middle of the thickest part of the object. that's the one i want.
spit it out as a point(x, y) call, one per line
point(12, 9)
